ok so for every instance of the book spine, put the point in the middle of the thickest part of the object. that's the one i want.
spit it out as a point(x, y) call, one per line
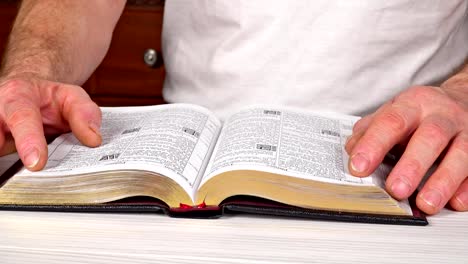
point(197, 211)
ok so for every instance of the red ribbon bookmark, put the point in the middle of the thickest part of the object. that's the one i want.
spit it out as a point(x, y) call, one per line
point(186, 206)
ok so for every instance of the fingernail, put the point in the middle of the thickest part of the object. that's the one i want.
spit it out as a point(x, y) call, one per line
point(432, 198)
point(400, 188)
point(94, 127)
point(359, 162)
point(32, 158)
point(462, 199)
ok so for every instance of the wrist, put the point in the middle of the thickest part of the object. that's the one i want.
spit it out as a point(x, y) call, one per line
point(27, 64)
point(457, 87)
point(9, 75)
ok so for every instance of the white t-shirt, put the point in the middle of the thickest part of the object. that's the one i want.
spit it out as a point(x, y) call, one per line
point(346, 56)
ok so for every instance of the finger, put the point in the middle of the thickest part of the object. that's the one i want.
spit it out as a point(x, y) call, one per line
point(426, 144)
point(390, 126)
point(351, 141)
point(445, 181)
point(23, 119)
point(358, 130)
point(362, 124)
point(459, 201)
point(82, 114)
point(7, 144)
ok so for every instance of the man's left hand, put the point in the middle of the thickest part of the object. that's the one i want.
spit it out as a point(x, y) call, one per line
point(432, 124)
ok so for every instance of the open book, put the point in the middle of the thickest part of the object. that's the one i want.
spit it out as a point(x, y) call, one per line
point(261, 159)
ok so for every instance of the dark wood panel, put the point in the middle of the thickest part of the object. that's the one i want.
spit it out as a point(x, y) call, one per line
point(123, 71)
point(123, 78)
point(8, 10)
point(127, 101)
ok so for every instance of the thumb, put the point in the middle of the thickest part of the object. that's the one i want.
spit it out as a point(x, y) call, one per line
point(81, 113)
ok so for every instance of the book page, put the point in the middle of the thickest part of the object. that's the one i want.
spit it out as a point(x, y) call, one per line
point(7, 161)
point(172, 140)
point(285, 141)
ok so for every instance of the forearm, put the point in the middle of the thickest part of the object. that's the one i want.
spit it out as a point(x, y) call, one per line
point(61, 41)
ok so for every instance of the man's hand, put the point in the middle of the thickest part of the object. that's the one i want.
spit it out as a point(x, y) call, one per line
point(432, 124)
point(31, 109)
point(51, 43)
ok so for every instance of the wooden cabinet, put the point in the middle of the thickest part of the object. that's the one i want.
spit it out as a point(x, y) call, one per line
point(8, 9)
point(123, 78)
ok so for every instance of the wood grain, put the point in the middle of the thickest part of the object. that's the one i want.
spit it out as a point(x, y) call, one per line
point(41, 237)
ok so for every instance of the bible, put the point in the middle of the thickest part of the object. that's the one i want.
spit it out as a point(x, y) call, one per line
point(182, 160)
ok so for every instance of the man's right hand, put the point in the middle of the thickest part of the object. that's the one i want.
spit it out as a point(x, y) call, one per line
point(31, 109)
point(60, 41)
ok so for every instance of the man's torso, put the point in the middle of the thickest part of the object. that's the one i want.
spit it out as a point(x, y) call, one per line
point(345, 56)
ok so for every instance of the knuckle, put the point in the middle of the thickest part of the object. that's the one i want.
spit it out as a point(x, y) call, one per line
point(75, 96)
point(11, 91)
point(435, 134)
point(394, 121)
point(436, 130)
point(14, 84)
point(86, 108)
point(18, 116)
point(423, 93)
point(412, 168)
point(14, 96)
point(73, 92)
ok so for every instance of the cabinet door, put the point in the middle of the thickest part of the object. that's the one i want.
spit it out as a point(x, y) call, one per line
point(124, 77)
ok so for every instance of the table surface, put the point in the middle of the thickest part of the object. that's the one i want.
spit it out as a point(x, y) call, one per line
point(50, 237)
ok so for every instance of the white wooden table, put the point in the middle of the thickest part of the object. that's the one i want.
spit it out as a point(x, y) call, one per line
point(46, 237)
